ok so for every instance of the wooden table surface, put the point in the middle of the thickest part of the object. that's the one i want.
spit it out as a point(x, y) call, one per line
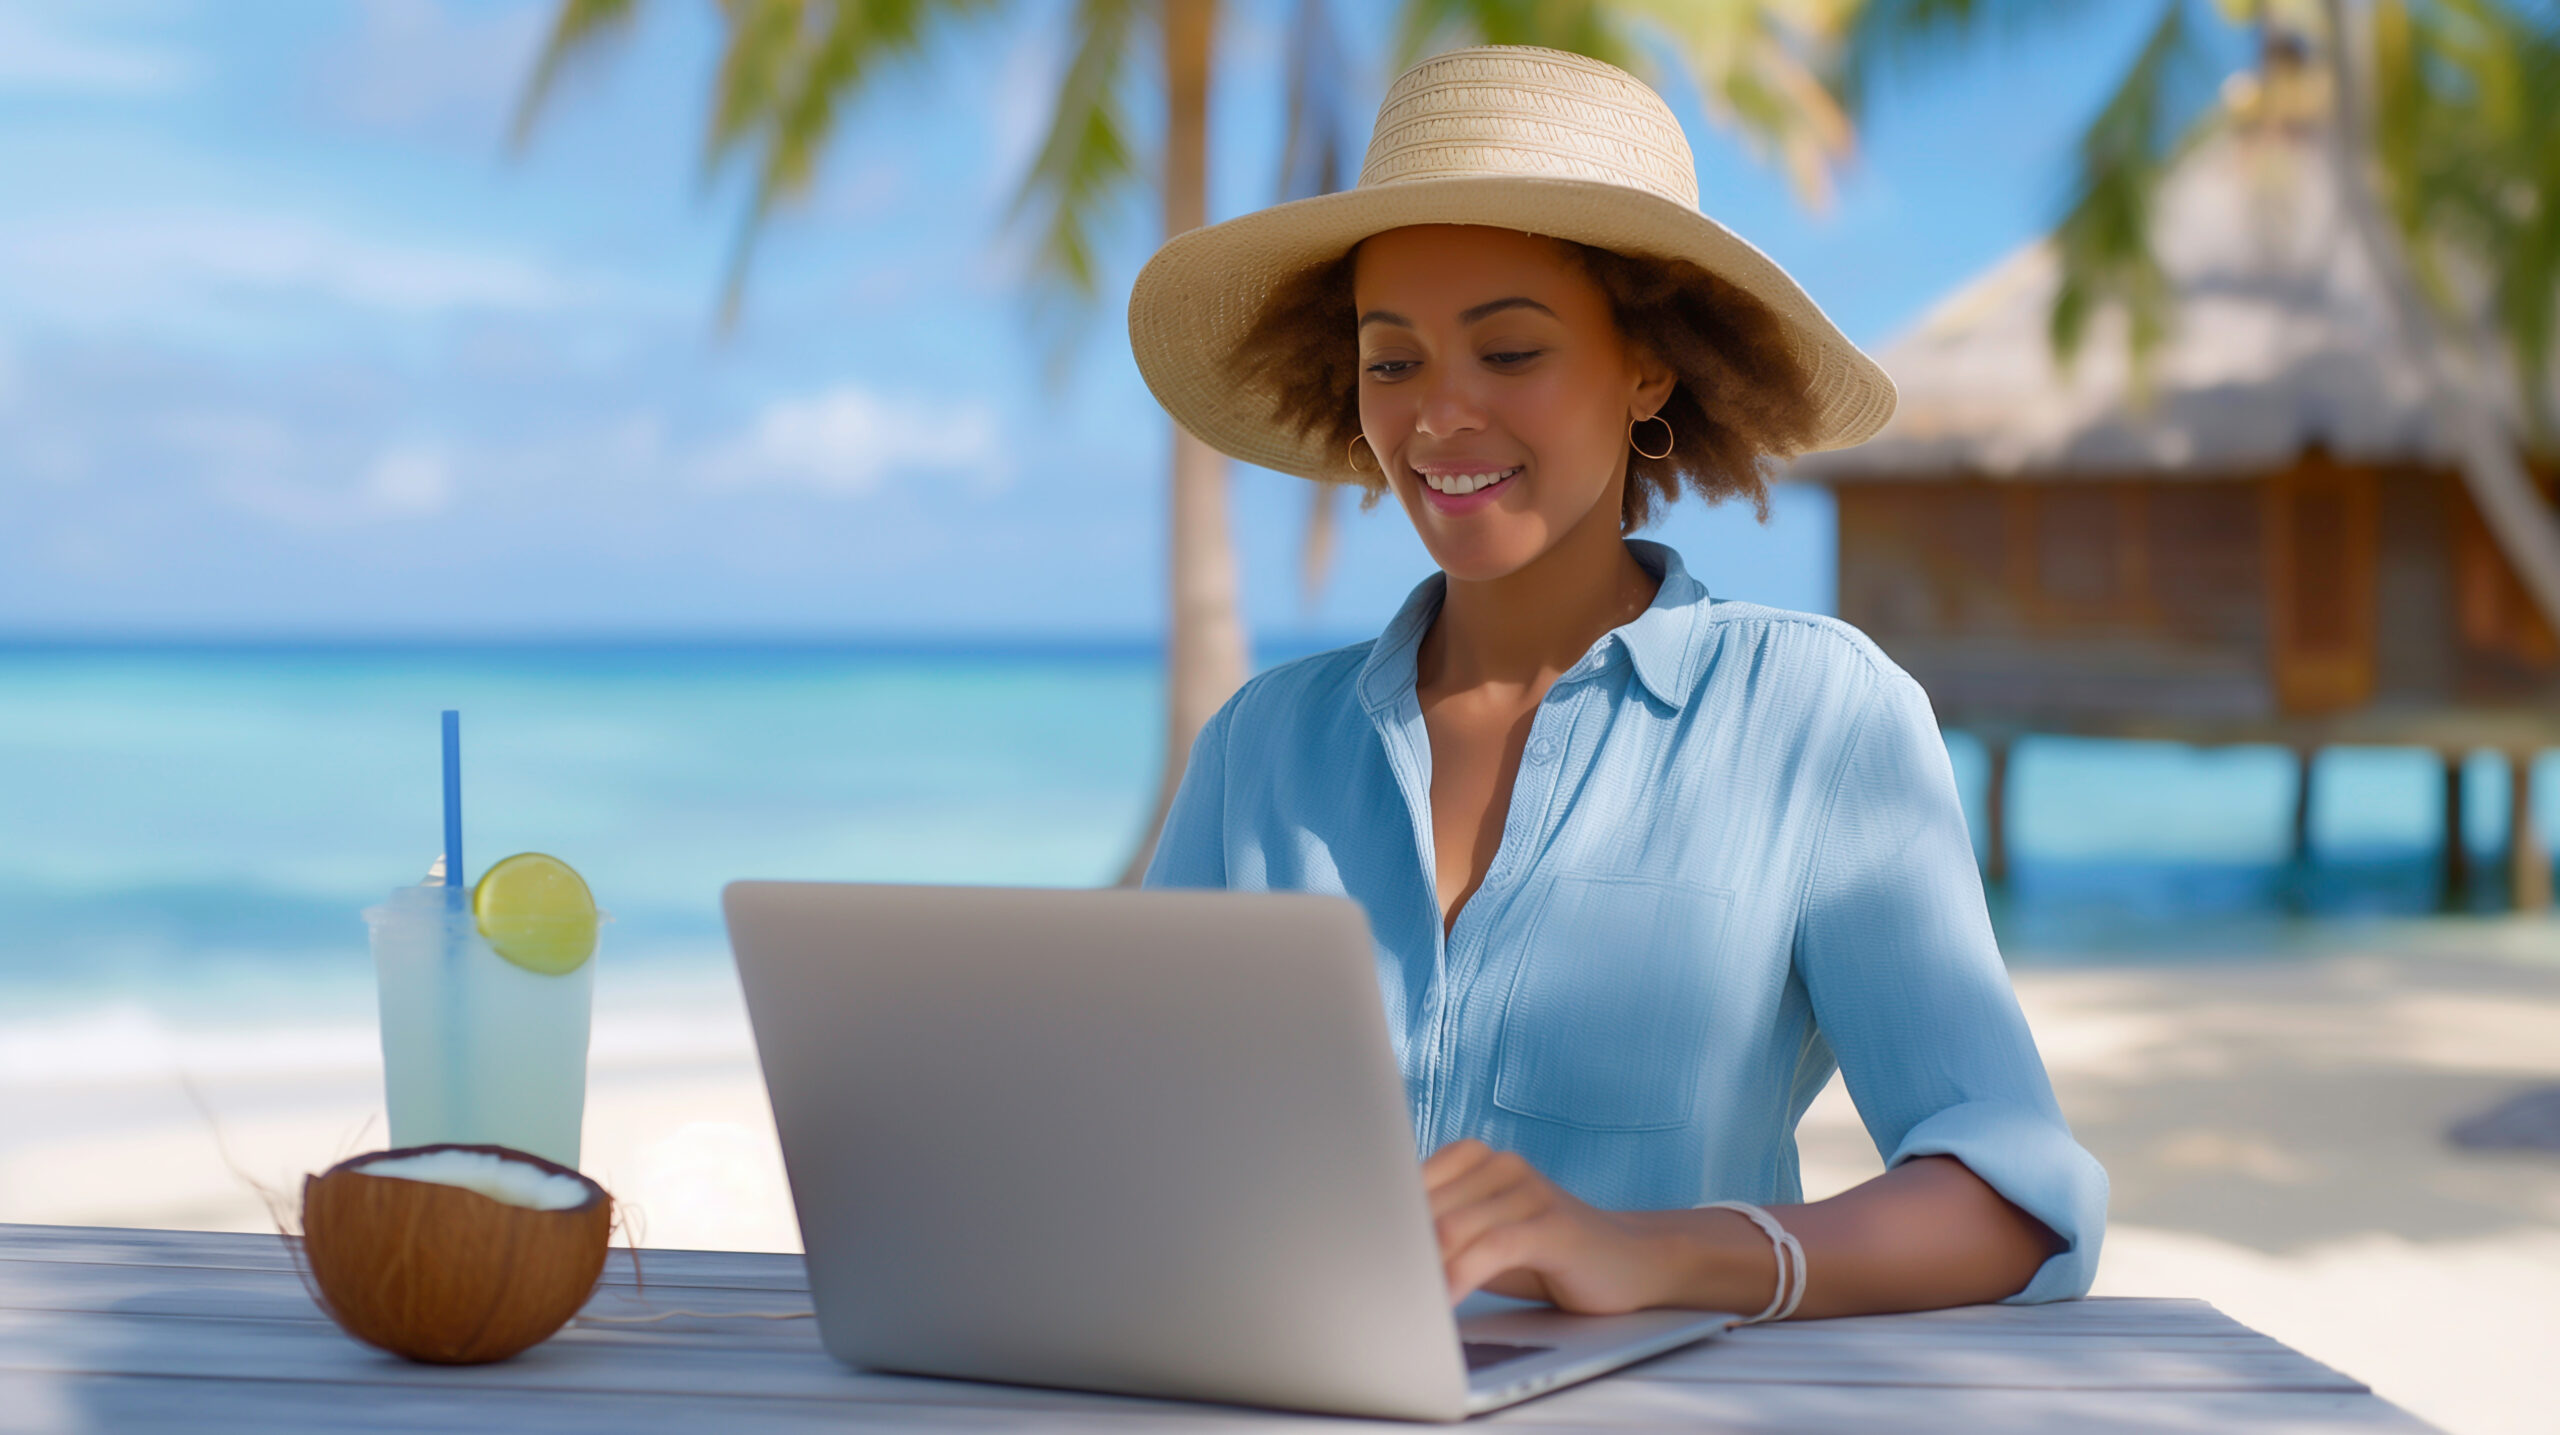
point(137, 1330)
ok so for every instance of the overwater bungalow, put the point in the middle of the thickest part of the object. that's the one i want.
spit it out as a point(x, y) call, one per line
point(2260, 536)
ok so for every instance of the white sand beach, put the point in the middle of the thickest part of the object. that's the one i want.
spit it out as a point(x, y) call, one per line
point(2273, 1128)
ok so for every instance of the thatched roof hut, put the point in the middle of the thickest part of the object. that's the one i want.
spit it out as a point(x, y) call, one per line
point(2262, 534)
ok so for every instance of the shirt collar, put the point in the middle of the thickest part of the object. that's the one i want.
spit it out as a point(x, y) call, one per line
point(1665, 642)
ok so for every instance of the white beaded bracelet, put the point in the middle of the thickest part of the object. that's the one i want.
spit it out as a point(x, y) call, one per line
point(1790, 1253)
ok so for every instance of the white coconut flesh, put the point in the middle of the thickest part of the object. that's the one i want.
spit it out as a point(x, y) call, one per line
point(510, 1183)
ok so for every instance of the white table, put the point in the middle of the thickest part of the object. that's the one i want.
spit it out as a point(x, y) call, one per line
point(139, 1330)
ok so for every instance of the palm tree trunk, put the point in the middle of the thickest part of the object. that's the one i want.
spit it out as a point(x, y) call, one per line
point(2526, 529)
point(1204, 645)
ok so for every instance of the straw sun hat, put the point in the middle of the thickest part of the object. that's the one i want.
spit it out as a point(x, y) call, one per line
point(1511, 136)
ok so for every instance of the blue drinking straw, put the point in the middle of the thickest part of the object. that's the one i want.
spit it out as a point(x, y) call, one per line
point(453, 1034)
point(452, 798)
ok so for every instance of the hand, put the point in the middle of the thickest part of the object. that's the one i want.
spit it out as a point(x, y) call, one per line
point(1507, 1229)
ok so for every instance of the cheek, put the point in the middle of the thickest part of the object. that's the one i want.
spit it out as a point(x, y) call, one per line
point(1567, 422)
point(1390, 411)
point(1379, 412)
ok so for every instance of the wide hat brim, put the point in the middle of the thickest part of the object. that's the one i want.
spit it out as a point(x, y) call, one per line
point(1201, 293)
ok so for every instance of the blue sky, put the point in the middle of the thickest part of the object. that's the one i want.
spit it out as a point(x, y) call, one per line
point(291, 345)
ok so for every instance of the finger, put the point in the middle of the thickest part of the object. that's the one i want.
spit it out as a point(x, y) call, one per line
point(1452, 1164)
point(1454, 1159)
point(1513, 1246)
point(1466, 1224)
point(1520, 1285)
point(1498, 1171)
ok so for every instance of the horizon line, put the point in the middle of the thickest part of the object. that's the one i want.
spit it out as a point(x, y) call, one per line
point(978, 641)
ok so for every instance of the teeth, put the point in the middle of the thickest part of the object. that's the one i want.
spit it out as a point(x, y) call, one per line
point(1456, 484)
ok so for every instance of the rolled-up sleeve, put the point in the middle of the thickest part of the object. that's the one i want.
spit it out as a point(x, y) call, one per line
point(1191, 850)
point(1896, 951)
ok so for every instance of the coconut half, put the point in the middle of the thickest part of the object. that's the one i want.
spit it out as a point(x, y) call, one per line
point(451, 1254)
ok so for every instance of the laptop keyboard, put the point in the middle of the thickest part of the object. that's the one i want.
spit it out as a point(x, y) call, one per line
point(1482, 1354)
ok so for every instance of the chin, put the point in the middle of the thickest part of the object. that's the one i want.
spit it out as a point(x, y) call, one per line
point(1485, 557)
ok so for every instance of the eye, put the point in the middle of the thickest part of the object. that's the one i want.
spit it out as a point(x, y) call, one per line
point(1513, 356)
point(1389, 368)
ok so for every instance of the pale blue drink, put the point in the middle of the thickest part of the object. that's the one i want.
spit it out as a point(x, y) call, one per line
point(476, 1048)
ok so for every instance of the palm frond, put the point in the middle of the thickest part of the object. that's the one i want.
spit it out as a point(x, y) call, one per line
point(1584, 27)
point(787, 68)
point(1086, 164)
point(1086, 156)
point(2103, 242)
point(2468, 140)
point(1767, 70)
point(578, 29)
point(755, 63)
point(836, 46)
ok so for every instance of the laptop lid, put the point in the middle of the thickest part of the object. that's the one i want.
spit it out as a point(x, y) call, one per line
point(1140, 1141)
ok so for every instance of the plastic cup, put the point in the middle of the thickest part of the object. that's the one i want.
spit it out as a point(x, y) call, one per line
point(476, 1049)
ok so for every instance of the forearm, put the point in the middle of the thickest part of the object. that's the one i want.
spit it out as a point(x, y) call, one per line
point(1926, 1234)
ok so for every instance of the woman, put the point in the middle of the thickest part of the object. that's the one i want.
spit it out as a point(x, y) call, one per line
point(1642, 865)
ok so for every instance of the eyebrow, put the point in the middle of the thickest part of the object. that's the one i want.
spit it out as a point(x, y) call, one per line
point(1489, 307)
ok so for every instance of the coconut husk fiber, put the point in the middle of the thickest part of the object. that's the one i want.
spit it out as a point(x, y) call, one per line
point(443, 1274)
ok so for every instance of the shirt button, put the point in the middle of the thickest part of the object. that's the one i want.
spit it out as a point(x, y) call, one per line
point(1542, 749)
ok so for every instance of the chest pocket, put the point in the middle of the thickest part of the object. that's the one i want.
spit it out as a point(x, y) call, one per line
point(1609, 1005)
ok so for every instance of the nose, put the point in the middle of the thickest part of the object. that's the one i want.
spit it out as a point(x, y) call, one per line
point(1449, 405)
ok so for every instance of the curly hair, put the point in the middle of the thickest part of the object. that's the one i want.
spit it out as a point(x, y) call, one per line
point(1303, 349)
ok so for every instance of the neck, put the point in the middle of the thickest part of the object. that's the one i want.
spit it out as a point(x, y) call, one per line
point(1528, 626)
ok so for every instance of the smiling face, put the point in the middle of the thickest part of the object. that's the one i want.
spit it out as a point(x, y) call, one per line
point(1496, 389)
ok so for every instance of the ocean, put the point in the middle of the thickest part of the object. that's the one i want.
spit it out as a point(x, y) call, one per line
point(188, 831)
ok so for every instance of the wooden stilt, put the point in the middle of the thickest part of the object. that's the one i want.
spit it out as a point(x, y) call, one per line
point(1995, 801)
point(2528, 866)
point(2454, 887)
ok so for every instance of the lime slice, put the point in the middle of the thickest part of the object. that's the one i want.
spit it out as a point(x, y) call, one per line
point(536, 912)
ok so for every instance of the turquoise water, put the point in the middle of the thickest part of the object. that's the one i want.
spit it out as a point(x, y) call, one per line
point(199, 827)
point(194, 829)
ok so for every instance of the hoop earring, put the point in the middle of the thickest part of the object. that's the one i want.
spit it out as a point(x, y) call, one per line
point(1668, 437)
point(1351, 454)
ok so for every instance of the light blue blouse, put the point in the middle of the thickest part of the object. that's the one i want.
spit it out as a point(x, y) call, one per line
point(1734, 856)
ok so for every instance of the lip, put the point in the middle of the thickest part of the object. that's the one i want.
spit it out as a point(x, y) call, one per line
point(1454, 504)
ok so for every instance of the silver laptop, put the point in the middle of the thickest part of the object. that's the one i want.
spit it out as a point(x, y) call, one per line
point(1150, 1142)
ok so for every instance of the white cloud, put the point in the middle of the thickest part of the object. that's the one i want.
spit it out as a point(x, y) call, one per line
point(147, 264)
point(847, 440)
point(400, 483)
point(268, 464)
point(37, 53)
point(409, 482)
